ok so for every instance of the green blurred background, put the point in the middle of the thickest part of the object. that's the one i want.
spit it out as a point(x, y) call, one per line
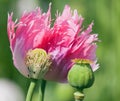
point(106, 17)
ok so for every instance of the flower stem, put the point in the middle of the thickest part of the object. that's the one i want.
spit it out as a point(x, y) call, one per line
point(79, 96)
point(31, 90)
point(42, 90)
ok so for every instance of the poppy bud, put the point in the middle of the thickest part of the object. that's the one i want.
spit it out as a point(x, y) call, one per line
point(81, 75)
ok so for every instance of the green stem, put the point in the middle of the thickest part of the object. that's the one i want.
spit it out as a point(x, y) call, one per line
point(79, 96)
point(42, 90)
point(31, 90)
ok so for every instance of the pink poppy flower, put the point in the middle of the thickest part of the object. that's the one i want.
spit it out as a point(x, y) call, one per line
point(64, 41)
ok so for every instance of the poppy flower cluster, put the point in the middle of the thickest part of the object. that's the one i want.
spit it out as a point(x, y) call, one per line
point(39, 46)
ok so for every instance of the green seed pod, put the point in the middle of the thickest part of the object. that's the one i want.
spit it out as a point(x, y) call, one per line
point(81, 76)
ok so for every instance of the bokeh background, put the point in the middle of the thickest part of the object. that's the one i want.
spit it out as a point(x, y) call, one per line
point(106, 17)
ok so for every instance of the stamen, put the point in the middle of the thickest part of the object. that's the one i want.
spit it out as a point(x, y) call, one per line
point(38, 63)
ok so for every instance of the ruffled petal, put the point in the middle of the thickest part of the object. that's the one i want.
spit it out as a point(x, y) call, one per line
point(27, 34)
point(70, 41)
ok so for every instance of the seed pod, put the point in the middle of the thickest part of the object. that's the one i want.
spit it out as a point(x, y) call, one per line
point(38, 63)
point(81, 76)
